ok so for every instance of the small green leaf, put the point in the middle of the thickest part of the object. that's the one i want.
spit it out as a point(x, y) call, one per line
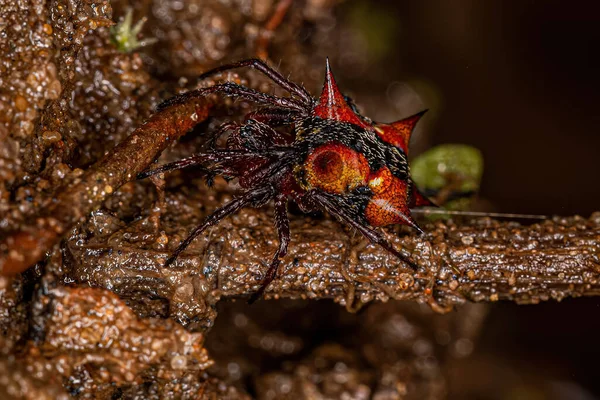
point(125, 36)
point(448, 164)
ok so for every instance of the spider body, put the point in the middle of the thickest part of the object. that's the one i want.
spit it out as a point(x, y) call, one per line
point(331, 158)
point(345, 159)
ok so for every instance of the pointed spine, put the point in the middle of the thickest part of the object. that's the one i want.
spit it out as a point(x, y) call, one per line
point(405, 127)
point(332, 104)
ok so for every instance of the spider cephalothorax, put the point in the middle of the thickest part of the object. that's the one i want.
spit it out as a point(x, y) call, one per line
point(335, 160)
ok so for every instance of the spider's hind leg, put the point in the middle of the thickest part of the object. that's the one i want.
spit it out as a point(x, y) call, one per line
point(254, 197)
point(330, 205)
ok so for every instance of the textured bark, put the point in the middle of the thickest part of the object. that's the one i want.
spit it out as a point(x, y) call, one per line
point(478, 260)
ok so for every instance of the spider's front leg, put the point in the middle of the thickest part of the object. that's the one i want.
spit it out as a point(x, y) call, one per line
point(273, 116)
point(237, 91)
point(272, 74)
point(256, 132)
point(218, 161)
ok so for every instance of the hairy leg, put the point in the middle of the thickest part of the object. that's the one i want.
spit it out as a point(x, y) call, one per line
point(255, 197)
point(257, 136)
point(213, 137)
point(275, 76)
point(282, 223)
point(217, 158)
point(273, 116)
point(256, 132)
point(235, 90)
point(197, 159)
point(329, 204)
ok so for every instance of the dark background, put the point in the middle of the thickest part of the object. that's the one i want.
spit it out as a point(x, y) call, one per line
point(519, 80)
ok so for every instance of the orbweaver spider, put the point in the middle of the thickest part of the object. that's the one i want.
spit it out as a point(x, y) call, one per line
point(336, 160)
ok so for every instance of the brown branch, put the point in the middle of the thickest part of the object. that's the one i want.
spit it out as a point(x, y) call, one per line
point(479, 260)
point(73, 203)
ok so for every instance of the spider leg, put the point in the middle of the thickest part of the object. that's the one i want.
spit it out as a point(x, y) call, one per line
point(211, 141)
point(273, 171)
point(218, 157)
point(257, 135)
point(275, 76)
point(173, 166)
point(329, 205)
point(282, 223)
point(252, 135)
point(235, 90)
point(272, 116)
point(253, 196)
point(237, 141)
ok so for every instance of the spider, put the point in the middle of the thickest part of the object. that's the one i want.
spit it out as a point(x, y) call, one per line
point(335, 160)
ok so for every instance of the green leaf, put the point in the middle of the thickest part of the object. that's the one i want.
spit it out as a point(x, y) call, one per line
point(448, 164)
point(125, 36)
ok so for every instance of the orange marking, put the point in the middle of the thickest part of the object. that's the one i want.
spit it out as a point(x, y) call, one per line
point(389, 202)
point(335, 168)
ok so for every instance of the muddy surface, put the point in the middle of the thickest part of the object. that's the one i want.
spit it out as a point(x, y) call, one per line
point(98, 317)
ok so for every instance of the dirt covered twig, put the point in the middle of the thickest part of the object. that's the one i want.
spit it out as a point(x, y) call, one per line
point(477, 260)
